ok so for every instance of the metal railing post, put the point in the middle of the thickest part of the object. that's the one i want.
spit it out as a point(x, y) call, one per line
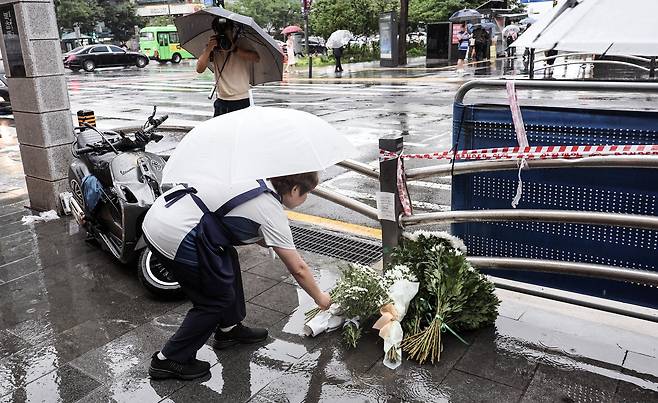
point(652, 68)
point(391, 231)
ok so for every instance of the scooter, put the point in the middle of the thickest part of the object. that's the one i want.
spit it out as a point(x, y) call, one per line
point(113, 182)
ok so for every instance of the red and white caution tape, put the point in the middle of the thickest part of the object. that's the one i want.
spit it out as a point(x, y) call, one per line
point(537, 152)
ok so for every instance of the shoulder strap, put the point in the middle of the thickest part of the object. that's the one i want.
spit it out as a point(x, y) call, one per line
point(245, 197)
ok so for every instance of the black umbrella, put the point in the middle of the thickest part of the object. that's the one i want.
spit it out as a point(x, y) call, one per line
point(464, 15)
point(195, 30)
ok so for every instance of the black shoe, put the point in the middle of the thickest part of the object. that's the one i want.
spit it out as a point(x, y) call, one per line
point(239, 334)
point(163, 369)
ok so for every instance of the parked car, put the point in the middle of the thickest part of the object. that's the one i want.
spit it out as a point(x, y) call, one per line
point(92, 56)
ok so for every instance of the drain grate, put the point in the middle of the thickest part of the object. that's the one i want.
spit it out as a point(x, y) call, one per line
point(325, 243)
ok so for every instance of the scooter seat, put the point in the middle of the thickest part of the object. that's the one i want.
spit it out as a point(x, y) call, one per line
point(88, 137)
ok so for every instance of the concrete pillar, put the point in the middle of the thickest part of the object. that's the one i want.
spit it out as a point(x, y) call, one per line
point(29, 40)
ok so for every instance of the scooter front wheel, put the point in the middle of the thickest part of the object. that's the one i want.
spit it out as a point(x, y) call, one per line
point(155, 277)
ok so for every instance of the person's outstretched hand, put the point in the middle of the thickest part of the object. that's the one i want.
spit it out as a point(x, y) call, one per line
point(323, 301)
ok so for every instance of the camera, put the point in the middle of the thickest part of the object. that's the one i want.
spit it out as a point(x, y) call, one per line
point(221, 26)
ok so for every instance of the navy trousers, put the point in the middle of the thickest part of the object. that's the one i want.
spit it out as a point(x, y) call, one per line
point(207, 311)
point(222, 106)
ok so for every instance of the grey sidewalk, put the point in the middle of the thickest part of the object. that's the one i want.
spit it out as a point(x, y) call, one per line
point(76, 326)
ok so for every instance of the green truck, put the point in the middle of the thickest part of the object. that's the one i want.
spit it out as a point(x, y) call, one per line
point(162, 44)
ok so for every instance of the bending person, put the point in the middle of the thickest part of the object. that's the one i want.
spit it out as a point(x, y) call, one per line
point(193, 231)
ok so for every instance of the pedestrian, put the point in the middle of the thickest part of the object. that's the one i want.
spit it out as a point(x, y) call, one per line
point(509, 39)
point(338, 53)
point(550, 60)
point(481, 42)
point(462, 48)
point(232, 67)
point(290, 51)
point(192, 231)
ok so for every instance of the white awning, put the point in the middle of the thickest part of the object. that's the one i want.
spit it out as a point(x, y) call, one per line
point(610, 27)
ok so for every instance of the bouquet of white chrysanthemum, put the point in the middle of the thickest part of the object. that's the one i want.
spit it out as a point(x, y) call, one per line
point(360, 293)
point(357, 297)
point(401, 287)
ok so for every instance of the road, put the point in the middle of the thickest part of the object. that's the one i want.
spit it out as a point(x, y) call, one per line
point(364, 104)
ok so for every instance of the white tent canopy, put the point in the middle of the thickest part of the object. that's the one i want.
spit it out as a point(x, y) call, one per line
point(610, 27)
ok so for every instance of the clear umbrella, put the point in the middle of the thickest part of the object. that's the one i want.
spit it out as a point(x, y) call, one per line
point(256, 143)
point(339, 38)
point(195, 29)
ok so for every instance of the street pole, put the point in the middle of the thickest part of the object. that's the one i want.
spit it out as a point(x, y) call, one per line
point(388, 187)
point(310, 59)
point(29, 42)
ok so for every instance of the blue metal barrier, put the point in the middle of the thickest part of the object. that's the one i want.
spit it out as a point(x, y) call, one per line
point(630, 191)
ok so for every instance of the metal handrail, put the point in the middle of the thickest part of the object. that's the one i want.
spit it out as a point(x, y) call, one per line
point(558, 85)
point(562, 267)
point(469, 167)
point(361, 168)
point(559, 216)
point(345, 201)
point(566, 55)
point(583, 62)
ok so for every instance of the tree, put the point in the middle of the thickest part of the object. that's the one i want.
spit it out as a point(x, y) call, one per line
point(85, 13)
point(424, 11)
point(271, 15)
point(361, 17)
point(121, 18)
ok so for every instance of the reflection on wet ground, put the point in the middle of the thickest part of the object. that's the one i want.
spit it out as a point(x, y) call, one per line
point(76, 326)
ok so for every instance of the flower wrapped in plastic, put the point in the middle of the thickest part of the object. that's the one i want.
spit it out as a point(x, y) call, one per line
point(402, 287)
point(358, 296)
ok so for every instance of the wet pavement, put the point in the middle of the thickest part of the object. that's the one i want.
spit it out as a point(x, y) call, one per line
point(77, 326)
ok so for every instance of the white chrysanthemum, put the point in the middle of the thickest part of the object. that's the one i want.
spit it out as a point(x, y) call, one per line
point(455, 242)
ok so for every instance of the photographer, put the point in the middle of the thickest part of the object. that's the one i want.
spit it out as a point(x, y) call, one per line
point(232, 66)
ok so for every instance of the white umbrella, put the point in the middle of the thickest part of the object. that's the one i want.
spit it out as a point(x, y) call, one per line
point(256, 143)
point(609, 27)
point(507, 31)
point(339, 38)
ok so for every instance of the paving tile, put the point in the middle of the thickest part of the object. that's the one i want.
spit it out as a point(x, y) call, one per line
point(329, 371)
point(27, 365)
point(121, 355)
point(135, 386)
point(598, 332)
point(10, 343)
point(254, 284)
point(282, 298)
point(66, 384)
point(462, 387)
point(551, 384)
point(495, 358)
point(252, 255)
point(414, 382)
point(641, 363)
point(629, 393)
point(259, 316)
point(62, 305)
point(19, 268)
point(243, 371)
point(272, 269)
